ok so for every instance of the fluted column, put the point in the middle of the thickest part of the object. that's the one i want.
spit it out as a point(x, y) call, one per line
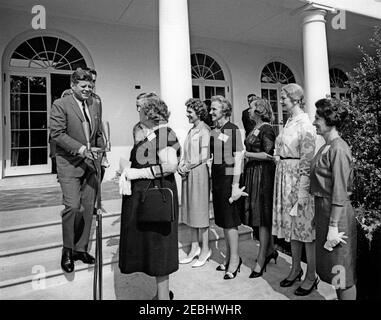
point(175, 65)
point(315, 54)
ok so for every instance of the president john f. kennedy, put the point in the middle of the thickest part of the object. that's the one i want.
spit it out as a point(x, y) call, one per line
point(75, 165)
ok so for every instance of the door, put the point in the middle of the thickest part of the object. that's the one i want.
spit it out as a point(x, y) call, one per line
point(26, 124)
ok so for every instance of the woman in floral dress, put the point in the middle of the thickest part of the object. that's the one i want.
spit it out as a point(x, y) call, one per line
point(293, 209)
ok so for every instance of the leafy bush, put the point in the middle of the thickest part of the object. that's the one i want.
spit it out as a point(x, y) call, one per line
point(363, 133)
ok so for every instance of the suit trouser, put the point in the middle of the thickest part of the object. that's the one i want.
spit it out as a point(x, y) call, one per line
point(78, 186)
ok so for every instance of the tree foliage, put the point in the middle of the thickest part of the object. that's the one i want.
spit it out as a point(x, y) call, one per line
point(363, 130)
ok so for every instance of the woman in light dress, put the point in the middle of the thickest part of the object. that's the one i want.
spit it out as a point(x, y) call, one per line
point(293, 209)
point(196, 192)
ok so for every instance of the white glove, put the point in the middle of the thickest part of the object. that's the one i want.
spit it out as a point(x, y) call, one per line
point(133, 174)
point(294, 210)
point(334, 237)
point(124, 184)
point(237, 193)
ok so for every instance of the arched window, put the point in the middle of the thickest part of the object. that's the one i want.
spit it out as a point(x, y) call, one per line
point(47, 52)
point(37, 70)
point(208, 78)
point(275, 75)
point(278, 73)
point(338, 82)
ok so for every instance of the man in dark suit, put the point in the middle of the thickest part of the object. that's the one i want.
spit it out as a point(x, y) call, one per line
point(248, 124)
point(77, 166)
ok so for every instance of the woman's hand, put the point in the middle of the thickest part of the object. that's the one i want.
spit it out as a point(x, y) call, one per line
point(237, 193)
point(334, 237)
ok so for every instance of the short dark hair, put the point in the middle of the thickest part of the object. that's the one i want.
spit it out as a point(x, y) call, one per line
point(80, 75)
point(333, 111)
point(198, 106)
point(252, 97)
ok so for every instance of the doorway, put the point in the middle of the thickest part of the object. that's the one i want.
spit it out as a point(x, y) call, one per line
point(59, 83)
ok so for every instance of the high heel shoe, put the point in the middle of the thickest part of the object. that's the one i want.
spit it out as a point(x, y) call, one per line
point(255, 274)
point(222, 267)
point(189, 259)
point(304, 292)
point(231, 275)
point(200, 263)
point(289, 283)
point(273, 255)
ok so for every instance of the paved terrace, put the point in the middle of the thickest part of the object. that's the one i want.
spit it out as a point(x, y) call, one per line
point(187, 283)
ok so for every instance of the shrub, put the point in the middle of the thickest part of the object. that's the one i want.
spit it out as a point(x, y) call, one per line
point(363, 133)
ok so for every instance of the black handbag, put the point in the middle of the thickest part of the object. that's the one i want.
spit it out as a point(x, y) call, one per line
point(156, 203)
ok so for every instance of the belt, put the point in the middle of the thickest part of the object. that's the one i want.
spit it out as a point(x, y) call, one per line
point(288, 158)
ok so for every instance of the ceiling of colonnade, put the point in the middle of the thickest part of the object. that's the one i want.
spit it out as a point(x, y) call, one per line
point(268, 22)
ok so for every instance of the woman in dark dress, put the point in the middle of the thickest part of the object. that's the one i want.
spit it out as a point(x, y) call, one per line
point(227, 150)
point(331, 184)
point(151, 248)
point(259, 181)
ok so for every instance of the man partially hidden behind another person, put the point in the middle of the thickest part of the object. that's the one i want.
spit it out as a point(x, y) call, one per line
point(76, 165)
point(248, 123)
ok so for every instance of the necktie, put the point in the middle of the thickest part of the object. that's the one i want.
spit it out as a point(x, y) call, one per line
point(85, 113)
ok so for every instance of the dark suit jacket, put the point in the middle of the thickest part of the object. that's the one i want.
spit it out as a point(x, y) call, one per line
point(248, 124)
point(66, 127)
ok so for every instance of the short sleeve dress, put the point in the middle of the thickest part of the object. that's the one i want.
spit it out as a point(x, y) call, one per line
point(224, 143)
point(151, 248)
point(331, 183)
point(195, 187)
point(259, 178)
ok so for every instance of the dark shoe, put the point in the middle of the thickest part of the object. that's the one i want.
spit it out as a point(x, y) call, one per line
point(171, 295)
point(304, 292)
point(274, 256)
point(67, 262)
point(222, 267)
point(255, 274)
point(289, 283)
point(231, 275)
point(84, 257)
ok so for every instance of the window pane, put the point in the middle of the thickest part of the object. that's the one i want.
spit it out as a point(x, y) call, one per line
point(39, 156)
point(37, 102)
point(19, 84)
point(220, 91)
point(265, 94)
point(20, 139)
point(19, 102)
point(37, 85)
point(209, 92)
point(38, 120)
point(19, 120)
point(19, 157)
point(273, 95)
point(39, 138)
point(196, 91)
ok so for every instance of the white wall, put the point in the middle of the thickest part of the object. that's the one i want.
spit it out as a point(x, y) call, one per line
point(125, 57)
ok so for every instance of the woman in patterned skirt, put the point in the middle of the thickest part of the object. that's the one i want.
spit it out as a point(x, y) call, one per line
point(293, 209)
point(331, 184)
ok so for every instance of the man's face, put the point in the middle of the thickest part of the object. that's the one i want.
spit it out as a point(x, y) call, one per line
point(82, 89)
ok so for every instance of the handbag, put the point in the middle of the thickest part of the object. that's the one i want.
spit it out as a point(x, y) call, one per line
point(156, 203)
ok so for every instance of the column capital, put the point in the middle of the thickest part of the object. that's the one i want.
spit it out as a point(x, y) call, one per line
point(314, 15)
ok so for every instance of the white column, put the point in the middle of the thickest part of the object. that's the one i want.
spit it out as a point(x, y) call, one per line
point(316, 67)
point(175, 65)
